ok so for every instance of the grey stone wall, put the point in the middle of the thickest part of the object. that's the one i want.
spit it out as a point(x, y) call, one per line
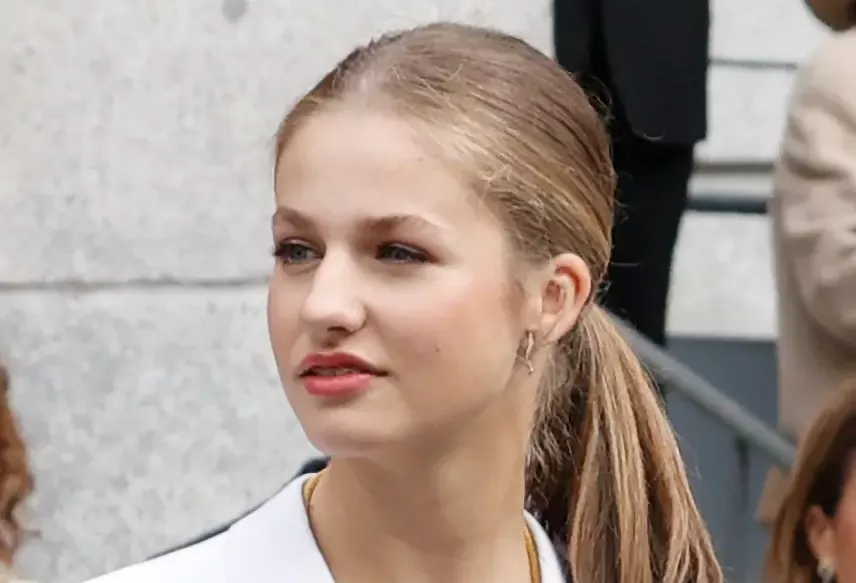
point(134, 203)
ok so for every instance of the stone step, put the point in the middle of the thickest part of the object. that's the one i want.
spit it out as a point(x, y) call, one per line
point(723, 278)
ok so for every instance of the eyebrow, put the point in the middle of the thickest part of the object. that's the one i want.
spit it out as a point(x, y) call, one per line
point(386, 223)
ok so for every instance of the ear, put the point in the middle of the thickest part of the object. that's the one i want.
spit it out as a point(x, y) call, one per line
point(562, 289)
point(819, 534)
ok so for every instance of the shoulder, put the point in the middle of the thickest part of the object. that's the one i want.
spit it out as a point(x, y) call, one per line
point(270, 541)
point(829, 70)
point(821, 117)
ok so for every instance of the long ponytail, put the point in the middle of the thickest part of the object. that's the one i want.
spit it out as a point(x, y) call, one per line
point(606, 475)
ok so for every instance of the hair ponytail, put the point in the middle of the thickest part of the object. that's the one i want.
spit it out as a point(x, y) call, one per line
point(606, 476)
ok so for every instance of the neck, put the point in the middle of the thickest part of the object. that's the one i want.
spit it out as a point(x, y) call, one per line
point(453, 515)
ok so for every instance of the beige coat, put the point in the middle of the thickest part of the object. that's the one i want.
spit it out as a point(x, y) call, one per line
point(7, 576)
point(813, 211)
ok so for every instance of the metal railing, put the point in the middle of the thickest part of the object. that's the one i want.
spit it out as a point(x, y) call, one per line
point(678, 377)
point(727, 204)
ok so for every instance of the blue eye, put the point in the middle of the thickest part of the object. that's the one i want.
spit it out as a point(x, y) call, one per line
point(398, 253)
point(290, 252)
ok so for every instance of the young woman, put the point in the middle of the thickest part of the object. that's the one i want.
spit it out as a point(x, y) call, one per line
point(16, 483)
point(814, 534)
point(442, 224)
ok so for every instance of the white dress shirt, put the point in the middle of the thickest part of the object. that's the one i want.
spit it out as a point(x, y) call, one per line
point(271, 545)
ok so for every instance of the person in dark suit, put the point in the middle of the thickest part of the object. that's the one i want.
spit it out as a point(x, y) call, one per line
point(647, 63)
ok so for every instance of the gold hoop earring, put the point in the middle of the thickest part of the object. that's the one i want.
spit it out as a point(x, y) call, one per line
point(527, 353)
point(825, 572)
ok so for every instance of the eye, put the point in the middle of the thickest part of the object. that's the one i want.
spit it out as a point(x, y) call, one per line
point(399, 253)
point(291, 252)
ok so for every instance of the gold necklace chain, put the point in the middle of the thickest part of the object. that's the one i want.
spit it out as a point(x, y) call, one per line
point(531, 547)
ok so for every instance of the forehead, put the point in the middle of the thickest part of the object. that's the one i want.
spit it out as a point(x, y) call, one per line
point(359, 161)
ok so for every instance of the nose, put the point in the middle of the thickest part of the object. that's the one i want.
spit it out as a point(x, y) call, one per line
point(333, 307)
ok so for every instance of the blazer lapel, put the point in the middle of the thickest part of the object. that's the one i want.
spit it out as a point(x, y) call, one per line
point(551, 564)
point(275, 543)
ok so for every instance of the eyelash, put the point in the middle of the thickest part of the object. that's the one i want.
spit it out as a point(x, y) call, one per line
point(282, 248)
point(283, 251)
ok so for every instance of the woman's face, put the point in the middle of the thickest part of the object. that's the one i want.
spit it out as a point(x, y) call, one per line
point(390, 309)
point(833, 540)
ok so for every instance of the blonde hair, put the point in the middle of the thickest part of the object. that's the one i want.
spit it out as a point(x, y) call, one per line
point(16, 481)
point(605, 474)
point(825, 457)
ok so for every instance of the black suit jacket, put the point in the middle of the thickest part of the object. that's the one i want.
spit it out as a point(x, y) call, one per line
point(652, 55)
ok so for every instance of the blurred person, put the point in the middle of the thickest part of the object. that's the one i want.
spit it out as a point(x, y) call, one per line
point(813, 212)
point(432, 319)
point(647, 61)
point(814, 532)
point(16, 483)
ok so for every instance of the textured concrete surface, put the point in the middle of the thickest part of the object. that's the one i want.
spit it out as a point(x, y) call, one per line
point(723, 279)
point(134, 204)
point(136, 138)
point(765, 30)
point(152, 416)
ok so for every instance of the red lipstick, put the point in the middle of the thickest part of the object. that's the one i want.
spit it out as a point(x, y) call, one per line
point(336, 374)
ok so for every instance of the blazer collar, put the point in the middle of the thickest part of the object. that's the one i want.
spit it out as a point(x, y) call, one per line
point(276, 540)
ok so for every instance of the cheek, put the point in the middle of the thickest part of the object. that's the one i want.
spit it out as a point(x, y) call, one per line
point(458, 329)
point(282, 317)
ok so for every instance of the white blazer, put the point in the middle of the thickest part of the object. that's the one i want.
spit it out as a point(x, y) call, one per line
point(272, 544)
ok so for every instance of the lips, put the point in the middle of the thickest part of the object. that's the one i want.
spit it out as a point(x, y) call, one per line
point(337, 375)
point(330, 372)
point(335, 364)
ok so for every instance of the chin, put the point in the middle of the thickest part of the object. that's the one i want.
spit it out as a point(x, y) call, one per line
point(350, 433)
point(353, 425)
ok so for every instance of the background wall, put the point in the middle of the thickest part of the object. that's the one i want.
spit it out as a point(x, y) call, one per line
point(134, 202)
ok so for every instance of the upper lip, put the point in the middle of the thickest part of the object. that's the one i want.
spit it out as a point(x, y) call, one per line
point(335, 360)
